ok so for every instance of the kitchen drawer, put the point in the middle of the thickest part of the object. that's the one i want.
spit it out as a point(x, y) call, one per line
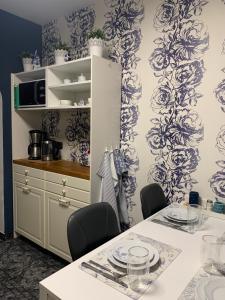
point(29, 171)
point(78, 183)
point(74, 182)
point(30, 181)
point(55, 178)
point(65, 191)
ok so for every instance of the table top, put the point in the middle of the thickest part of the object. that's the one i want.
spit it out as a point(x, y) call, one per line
point(71, 282)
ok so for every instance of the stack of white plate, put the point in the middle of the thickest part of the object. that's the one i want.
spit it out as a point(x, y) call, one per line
point(210, 288)
point(119, 255)
point(180, 215)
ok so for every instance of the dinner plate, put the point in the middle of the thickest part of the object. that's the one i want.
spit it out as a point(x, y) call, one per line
point(179, 221)
point(121, 265)
point(210, 288)
point(180, 214)
point(120, 252)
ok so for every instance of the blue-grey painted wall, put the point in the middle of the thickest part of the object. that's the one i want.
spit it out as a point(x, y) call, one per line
point(16, 35)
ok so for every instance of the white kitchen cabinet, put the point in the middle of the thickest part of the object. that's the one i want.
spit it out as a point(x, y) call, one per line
point(43, 205)
point(29, 212)
point(101, 92)
point(58, 210)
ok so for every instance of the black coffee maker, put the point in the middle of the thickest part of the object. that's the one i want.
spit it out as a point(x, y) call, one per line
point(34, 148)
point(50, 149)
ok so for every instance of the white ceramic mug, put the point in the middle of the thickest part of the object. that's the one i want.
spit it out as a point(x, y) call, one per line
point(81, 77)
point(67, 80)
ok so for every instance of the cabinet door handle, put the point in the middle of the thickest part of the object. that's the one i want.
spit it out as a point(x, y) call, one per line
point(62, 202)
point(26, 190)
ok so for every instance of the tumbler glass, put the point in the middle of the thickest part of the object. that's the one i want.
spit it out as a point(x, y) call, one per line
point(138, 268)
point(194, 217)
point(210, 254)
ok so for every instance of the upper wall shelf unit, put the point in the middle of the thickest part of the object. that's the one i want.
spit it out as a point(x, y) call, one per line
point(32, 75)
point(56, 83)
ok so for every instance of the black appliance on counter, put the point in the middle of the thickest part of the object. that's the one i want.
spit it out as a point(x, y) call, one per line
point(32, 94)
point(41, 147)
point(50, 149)
point(34, 148)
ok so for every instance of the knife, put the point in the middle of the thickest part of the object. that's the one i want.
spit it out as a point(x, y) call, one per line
point(104, 274)
point(169, 225)
point(118, 275)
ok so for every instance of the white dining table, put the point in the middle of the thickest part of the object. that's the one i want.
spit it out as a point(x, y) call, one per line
point(72, 283)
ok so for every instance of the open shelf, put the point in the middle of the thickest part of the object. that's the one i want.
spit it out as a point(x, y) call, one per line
point(32, 75)
point(81, 65)
point(72, 87)
point(61, 107)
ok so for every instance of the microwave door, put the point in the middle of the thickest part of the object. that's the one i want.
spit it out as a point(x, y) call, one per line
point(32, 93)
point(26, 94)
point(40, 92)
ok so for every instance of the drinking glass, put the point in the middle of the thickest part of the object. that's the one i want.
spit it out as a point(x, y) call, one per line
point(220, 263)
point(194, 215)
point(138, 257)
point(209, 254)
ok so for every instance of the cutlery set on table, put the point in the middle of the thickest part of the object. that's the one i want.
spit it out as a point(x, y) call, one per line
point(183, 218)
point(131, 264)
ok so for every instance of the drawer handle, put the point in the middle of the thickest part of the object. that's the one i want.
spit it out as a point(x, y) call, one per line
point(63, 193)
point(64, 182)
point(62, 202)
point(26, 172)
point(26, 190)
point(26, 181)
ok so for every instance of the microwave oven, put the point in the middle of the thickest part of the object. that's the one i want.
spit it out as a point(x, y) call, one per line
point(31, 94)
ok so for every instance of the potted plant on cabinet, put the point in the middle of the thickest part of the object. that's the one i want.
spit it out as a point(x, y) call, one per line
point(27, 61)
point(61, 53)
point(96, 42)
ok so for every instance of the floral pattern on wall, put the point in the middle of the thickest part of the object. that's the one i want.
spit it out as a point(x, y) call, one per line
point(80, 23)
point(77, 134)
point(50, 123)
point(177, 63)
point(217, 181)
point(50, 39)
point(123, 37)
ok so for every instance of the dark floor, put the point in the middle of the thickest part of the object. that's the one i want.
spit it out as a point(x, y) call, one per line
point(22, 266)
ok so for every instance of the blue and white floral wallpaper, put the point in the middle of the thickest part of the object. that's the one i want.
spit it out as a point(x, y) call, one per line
point(217, 181)
point(173, 91)
point(177, 61)
point(123, 35)
point(80, 23)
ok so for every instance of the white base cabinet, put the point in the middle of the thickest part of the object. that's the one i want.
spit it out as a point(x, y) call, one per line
point(43, 203)
point(29, 212)
point(58, 210)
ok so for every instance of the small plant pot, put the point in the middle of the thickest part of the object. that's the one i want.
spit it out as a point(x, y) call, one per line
point(60, 56)
point(27, 64)
point(96, 47)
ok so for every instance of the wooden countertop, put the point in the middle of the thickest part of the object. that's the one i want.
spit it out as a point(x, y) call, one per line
point(57, 166)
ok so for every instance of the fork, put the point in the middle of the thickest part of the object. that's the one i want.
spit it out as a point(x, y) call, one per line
point(115, 274)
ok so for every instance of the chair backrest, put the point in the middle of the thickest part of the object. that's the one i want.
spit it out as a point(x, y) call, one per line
point(152, 199)
point(90, 227)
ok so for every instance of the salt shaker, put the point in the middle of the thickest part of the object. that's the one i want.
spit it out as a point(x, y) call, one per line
point(209, 204)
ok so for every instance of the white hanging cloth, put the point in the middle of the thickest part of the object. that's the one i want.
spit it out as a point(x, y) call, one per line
point(107, 191)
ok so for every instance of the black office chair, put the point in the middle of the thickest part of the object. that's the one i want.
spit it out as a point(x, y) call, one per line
point(90, 227)
point(152, 199)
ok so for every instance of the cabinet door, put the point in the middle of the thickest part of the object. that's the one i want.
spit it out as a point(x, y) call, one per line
point(29, 212)
point(58, 211)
